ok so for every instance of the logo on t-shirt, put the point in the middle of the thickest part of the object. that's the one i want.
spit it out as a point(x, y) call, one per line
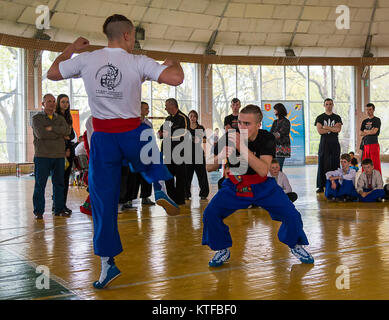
point(110, 76)
point(369, 125)
point(329, 123)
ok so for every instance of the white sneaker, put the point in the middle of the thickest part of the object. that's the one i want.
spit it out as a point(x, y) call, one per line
point(302, 254)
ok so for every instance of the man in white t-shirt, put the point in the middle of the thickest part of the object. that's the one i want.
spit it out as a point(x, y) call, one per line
point(113, 77)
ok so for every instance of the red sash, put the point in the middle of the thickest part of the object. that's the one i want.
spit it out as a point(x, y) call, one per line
point(115, 125)
point(243, 183)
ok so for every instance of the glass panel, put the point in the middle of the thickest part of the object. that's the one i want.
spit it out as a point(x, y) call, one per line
point(319, 83)
point(12, 105)
point(272, 83)
point(296, 85)
point(379, 83)
point(315, 109)
point(379, 88)
point(249, 87)
point(53, 87)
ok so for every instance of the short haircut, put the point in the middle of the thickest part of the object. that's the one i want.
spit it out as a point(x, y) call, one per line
point(253, 109)
point(235, 100)
point(354, 161)
point(367, 161)
point(345, 156)
point(280, 109)
point(370, 105)
point(172, 101)
point(115, 25)
point(275, 161)
point(143, 102)
point(328, 99)
point(351, 152)
point(47, 95)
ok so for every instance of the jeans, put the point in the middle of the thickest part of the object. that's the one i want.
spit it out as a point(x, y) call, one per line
point(43, 167)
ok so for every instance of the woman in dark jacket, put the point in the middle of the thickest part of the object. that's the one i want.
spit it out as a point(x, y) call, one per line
point(63, 109)
point(198, 138)
point(281, 131)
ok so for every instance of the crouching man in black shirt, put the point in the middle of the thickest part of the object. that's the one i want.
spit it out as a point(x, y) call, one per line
point(241, 190)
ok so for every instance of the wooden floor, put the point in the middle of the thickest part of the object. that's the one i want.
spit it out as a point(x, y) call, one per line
point(163, 257)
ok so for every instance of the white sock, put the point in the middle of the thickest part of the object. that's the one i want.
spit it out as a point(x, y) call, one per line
point(163, 186)
point(104, 268)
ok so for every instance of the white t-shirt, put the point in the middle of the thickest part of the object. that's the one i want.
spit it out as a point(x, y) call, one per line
point(80, 149)
point(89, 129)
point(113, 80)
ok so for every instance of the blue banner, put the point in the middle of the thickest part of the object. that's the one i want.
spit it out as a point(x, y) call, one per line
point(295, 115)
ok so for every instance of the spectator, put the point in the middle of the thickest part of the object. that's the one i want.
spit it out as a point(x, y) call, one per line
point(282, 180)
point(340, 184)
point(370, 130)
point(198, 157)
point(281, 130)
point(131, 181)
point(370, 185)
point(178, 123)
point(63, 110)
point(328, 125)
point(231, 121)
point(49, 130)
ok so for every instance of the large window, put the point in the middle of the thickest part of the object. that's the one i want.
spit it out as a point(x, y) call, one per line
point(379, 89)
point(74, 88)
point(186, 94)
point(338, 83)
point(313, 84)
point(12, 105)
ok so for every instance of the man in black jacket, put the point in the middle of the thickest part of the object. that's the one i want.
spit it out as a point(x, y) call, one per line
point(177, 123)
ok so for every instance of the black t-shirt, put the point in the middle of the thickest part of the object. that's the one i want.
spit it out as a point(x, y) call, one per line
point(369, 124)
point(264, 144)
point(198, 134)
point(232, 121)
point(329, 121)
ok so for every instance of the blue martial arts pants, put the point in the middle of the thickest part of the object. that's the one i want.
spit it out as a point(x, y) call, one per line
point(267, 195)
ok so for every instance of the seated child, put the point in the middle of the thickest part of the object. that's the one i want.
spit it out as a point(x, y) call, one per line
point(354, 164)
point(282, 180)
point(340, 183)
point(370, 186)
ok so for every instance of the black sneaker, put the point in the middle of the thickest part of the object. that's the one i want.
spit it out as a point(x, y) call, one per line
point(320, 190)
point(38, 216)
point(65, 214)
point(380, 199)
point(203, 198)
point(127, 205)
point(68, 210)
point(147, 201)
point(62, 213)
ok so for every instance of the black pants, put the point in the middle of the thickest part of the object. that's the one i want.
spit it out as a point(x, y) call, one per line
point(201, 173)
point(176, 187)
point(328, 160)
point(145, 187)
point(129, 186)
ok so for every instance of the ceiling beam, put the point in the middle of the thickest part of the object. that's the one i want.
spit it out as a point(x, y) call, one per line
point(367, 52)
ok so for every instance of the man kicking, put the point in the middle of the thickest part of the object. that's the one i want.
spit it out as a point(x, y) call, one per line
point(113, 78)
point(239, 191)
